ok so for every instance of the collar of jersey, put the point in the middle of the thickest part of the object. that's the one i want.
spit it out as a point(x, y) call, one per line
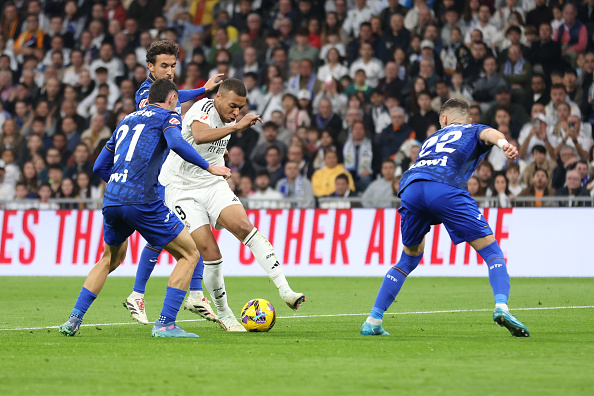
point(150, 77)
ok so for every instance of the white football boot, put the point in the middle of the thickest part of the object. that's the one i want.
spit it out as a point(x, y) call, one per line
point(228, 322)
point(136, 307)
point(201, 307)
point(292, 299)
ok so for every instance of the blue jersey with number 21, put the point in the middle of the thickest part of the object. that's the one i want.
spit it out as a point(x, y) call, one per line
point(139, 148)
point(448, 156)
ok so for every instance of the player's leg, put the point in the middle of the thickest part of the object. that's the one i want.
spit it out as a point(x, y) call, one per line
point(414, 226)
point(184, 250)
point(464, 222)
point(234, 219)
point(490, 251)
point(135, 301)
point(213, 277)
point(111, 259)
point(115, 234)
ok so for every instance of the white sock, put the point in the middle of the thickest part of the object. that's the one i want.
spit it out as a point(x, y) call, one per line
point(373, 321)
point(135, 295)
point(501, 305)
point(215, 284)
point(196, 294)
point(264, 254)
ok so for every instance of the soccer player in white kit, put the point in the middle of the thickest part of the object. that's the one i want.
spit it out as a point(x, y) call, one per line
point(201, 200)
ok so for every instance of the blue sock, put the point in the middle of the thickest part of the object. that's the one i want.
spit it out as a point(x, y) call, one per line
point(146, 265)
point(173, 300)
point(393, 283)
point(498, 276)
point(196, 282)
point(83, 302)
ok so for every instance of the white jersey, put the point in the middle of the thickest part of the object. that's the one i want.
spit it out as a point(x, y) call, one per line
point(182, 174)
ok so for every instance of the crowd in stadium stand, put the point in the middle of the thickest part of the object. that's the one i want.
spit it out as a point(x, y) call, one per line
point(347, 89)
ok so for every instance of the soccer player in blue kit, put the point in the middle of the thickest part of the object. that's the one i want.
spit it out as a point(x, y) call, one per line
point(433, 191)
point(161, 59)
point(130, 164)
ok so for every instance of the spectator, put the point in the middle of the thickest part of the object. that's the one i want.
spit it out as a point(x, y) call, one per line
point(500, 191)
point(558, 96)
point(114, 66)
point(359, 84)
point(486, 86)
point(327, 143)
point(12, 171)
point(539, 14)
point(274, 165)
point(356, 16)
point(573, 189)
point(238, 164)
point(373, 67)
point(341, 191)
point(81, 164)
point(332, 68)
point(295, 185)
point(475, 189)
point(273, 99)
point(68, 190)
point(396, 35)
point(56, 174)
point(379, 193)
point(539, 188)
point(10, 21)
point(539, 153)
point(86, 190)
point(570, 131)
point(582, 168)
point(378, 116)
point(538, 92)
point(484, 174)
point(264, 196)
point(566, 161)
point(572, 34)
point(34, 148)
point(322, 179)
point(246, 187)
point(294, 116)
point(512, 174)
point(517, 72)
point(301, 50)
point(45, 193)
point(326, 118)
point(97, 132)
point(424, 118)
point(572, 88)
point(270, 133)
point(30, 41)
point(392, 137)
point(503, 99)
point(361, 157)
point(11, 137)
point(533, 133)
point(145, 12)
point(484, 25)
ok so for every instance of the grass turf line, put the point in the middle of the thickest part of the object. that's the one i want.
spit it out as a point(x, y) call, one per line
point(445, 353)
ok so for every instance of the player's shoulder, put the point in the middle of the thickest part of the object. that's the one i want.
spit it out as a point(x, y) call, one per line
point(201, 111)
point(204, 105)
point(142, 93)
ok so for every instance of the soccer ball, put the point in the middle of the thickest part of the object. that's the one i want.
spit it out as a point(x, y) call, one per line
point(258, 315)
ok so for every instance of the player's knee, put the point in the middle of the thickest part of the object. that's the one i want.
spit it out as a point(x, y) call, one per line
point(192, 255)
point(244, 227)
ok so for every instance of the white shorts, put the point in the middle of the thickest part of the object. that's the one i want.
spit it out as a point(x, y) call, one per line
point(200, 206)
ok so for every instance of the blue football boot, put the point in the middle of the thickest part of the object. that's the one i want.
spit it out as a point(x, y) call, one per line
point(170, 329)
point(370, 330)
point(71, 326)
point(505, 319)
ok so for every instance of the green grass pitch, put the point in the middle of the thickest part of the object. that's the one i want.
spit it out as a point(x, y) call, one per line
point(315, 351)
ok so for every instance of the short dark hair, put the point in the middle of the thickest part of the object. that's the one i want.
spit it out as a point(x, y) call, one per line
point(270, 124)
point(273, 147)
point(55, 166)
point(511, 166)
point(558, 86)
point(233, 85)
point(541, 170)
point(263, 172)
point(540, 148)
point(160, 90)
point(342, 176)
point(161, 47)
point(455, 104)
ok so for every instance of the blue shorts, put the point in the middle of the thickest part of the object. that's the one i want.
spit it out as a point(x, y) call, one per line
point(426, 203)
point(155, 222)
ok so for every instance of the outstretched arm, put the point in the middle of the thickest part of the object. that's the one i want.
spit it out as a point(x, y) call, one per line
point(104, 163)
point(203, 133)
point(493, 137)
point(189, 94)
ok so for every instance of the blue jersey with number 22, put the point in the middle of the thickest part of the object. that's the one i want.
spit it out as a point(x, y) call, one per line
point(139, 148)
point(448, 156)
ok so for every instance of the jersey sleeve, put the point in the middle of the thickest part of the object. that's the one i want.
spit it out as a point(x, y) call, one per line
point(173, 120)
point(142, 97)
point(197, 115)
point(478, 129)
point(111, 143)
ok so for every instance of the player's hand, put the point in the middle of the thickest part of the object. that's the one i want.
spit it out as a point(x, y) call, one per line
point(219, 170)
point(249, 120)
point(510, 151)
point(212, 82)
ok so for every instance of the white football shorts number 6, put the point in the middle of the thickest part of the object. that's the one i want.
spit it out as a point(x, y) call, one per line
point(449, 137)
point(121, 135)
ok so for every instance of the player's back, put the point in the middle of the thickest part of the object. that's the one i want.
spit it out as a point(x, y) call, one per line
point(448, 156)
point(139, 148)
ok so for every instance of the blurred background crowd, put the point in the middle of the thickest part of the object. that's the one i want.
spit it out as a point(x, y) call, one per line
point(347, 89)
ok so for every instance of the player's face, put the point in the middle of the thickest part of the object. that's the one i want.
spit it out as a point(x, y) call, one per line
point(229, 105)
point(164, 66)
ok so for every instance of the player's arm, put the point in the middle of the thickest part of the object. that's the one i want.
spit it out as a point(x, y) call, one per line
point(182, 148)
point(104, 163)
point(492, 137)
point(189, 94)
point(203, 133)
